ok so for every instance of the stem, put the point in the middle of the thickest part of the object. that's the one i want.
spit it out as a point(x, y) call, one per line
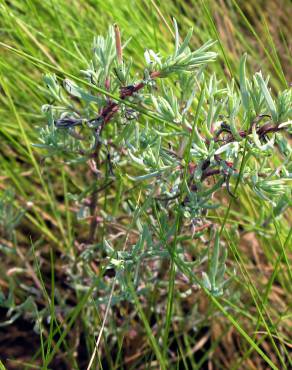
point(94, 195)
point(93, 222)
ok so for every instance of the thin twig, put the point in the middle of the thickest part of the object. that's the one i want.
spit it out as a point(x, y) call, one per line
point(102, 326)
point(118, 44)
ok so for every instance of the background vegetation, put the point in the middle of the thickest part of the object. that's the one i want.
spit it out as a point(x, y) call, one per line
point(49, 319)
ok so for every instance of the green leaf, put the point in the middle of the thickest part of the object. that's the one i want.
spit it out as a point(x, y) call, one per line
point(78, 92)
point(185, 44)
point(148, 176)
point(206, 281)
point(243, 86)
point(176, 37)
point(52, 84)
point(268, 98)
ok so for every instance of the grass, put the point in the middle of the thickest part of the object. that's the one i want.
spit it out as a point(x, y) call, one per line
point(175, 324)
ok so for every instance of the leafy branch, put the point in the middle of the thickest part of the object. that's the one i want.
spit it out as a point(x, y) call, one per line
point(180, 167)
